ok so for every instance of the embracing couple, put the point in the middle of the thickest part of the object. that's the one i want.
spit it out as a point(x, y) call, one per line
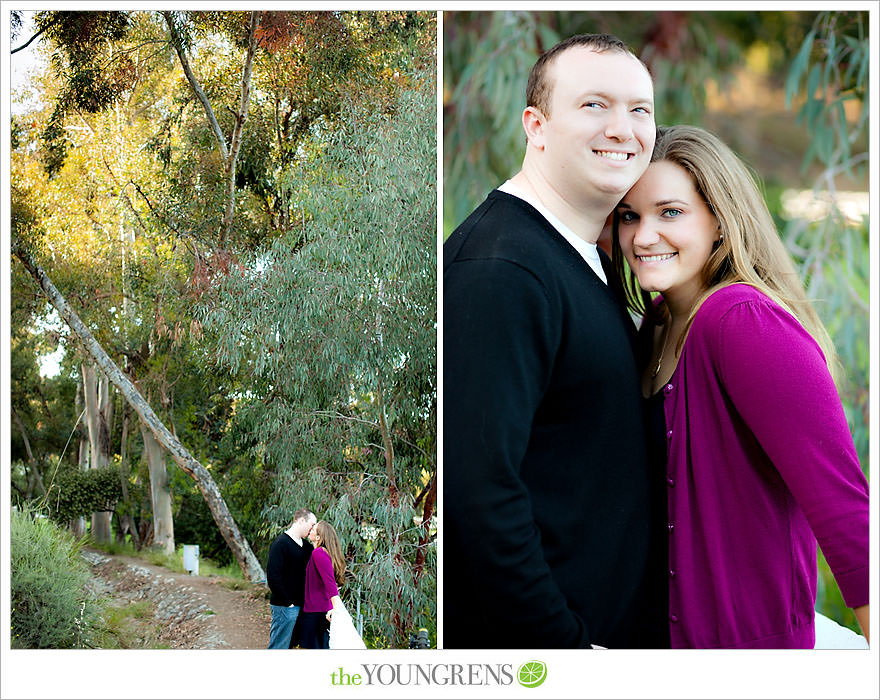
point(305, 569)
point(608, 487)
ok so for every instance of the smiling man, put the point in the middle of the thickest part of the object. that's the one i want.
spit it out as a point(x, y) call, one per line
point(546, 489)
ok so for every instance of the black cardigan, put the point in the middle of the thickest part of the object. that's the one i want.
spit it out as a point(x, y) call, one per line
point(286, 570)
point(545, 486)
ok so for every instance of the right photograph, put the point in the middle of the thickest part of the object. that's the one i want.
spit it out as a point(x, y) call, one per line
point(655, 330)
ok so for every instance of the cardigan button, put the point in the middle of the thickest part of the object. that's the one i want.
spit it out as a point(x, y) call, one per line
point(673, 618)
point(670, 481)
point(668, 434)
point(672, 573)
point(668, 389)
point(671, 528)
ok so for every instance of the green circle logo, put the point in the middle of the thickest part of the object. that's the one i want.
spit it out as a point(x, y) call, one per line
point(531, 674)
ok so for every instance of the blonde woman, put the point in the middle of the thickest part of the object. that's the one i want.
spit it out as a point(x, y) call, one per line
point(325, 572)
point(753, 453)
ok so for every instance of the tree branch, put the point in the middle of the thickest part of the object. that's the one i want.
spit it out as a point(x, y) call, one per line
point(177, 42)
point(24, 46)
point(240, 118)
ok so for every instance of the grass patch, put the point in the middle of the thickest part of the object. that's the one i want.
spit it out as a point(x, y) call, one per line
point(129, 626)
point(169, 561)
point(207, 567)
point(235, 584)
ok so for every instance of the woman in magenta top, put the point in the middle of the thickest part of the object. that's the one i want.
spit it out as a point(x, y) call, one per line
point(325, 572)
point(757, 458)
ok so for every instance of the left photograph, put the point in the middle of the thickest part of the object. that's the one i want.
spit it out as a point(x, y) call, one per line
point(223, 324)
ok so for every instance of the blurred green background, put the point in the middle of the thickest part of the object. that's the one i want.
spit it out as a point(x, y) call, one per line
point(787, 90)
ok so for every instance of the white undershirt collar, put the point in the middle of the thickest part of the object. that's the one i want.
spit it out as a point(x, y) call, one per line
point(588, 251)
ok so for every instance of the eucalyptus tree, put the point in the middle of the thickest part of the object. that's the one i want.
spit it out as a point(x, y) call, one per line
point(334, 324)
point(97, 227)
point(133, 201)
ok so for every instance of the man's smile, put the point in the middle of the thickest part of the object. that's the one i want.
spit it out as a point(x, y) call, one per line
point(614, 155)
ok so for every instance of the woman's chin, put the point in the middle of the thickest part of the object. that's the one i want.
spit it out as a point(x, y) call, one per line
point(649, 286)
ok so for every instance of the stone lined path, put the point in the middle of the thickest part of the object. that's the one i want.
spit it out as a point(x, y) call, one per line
point(191, 612)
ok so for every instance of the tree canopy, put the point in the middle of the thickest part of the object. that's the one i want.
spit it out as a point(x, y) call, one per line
point(189, 183)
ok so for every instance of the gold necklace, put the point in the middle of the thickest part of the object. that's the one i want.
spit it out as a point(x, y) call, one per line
point(662, 350)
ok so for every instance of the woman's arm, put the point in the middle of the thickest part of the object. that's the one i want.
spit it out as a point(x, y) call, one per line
point(776, 376)
point(336, 601)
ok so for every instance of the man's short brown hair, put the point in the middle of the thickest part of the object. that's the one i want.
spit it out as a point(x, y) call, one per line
point(301, 513)
point(538, 89)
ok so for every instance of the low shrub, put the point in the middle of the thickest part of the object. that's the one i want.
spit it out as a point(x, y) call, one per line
point(77, 492)
point(51, 606)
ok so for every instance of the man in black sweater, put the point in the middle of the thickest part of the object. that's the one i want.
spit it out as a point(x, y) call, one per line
point(286, 575)
point(546, 530)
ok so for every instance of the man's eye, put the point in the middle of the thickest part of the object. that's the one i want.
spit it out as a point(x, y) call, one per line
point(627, 217)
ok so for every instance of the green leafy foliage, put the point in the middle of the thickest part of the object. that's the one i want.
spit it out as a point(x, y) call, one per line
point(335, 328)
point(76, 492)
point(833, 250)
point(93, 79)
point(830, 70)
point(48, 582)
point(127, 226)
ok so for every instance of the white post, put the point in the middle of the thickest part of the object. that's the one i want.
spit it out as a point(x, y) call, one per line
point(191, 558)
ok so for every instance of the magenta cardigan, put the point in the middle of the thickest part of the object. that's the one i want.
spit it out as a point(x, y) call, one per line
point(320, 582)
point(761, 465)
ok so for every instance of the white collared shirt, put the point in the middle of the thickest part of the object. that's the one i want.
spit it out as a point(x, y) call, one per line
point(588, 251)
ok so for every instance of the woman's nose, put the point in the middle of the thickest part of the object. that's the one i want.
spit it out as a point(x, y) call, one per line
point(646, 234)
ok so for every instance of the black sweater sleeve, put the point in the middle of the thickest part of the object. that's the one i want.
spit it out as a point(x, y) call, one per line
point(500, 335)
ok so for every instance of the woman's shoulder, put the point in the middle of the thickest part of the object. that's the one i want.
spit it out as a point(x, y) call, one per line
point(746, 312)
point(726, 298)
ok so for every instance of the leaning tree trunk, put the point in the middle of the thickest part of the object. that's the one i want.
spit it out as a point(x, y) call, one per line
point(160, 494)
point(237, 543)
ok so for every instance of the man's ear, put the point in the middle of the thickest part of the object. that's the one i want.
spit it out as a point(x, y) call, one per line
point(533, 121)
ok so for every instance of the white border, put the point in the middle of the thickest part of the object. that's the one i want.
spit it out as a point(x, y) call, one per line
point(609, 674)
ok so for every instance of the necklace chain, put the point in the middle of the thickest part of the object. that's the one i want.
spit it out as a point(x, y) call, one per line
point(662, 350)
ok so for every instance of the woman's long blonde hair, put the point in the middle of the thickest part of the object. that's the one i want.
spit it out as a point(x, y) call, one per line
point(751, 251)
point(329, 540)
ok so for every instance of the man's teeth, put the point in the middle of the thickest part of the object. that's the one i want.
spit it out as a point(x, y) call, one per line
point(613, 155)
point(656, 258)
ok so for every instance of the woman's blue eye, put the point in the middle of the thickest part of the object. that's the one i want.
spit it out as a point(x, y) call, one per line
point(671, 213)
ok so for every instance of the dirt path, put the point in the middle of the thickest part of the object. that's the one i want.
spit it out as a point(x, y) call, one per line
point(190, 612)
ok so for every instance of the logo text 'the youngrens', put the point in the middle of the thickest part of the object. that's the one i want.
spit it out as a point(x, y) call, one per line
point(425, 674)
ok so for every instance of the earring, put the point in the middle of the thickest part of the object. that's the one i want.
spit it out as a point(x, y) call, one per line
point(721, 239)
